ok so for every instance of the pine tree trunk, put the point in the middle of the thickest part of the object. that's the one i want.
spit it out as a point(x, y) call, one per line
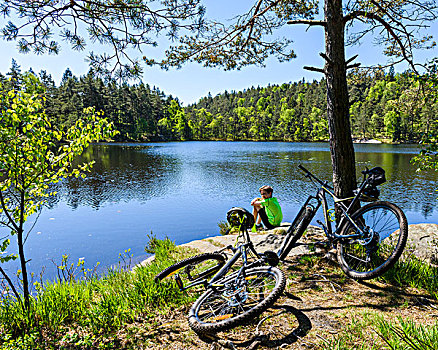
point(341, 143)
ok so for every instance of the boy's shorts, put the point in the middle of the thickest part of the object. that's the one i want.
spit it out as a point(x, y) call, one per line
point(265, 219)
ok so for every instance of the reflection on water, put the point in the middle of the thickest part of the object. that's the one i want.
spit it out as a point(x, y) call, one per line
point(120, 173)
point(183, 190)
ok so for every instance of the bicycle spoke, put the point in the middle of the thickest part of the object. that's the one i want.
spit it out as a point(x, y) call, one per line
point(375, 251)
point(238, 297)
point(214, 311)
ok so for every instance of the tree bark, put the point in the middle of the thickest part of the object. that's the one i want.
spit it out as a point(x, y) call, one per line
point(338, 115)
point(23, 270)
point(23, 262)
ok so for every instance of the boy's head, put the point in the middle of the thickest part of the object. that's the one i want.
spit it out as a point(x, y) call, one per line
point(266, 191)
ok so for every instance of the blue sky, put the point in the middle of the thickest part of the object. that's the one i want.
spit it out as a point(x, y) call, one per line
point(193, 81)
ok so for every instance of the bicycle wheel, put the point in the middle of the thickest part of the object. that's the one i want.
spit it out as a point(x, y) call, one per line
point(296, 231)
point(370, 256)
point(193, 269)
point(236, 299)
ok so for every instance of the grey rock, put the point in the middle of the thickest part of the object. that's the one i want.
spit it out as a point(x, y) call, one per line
point(422, 242)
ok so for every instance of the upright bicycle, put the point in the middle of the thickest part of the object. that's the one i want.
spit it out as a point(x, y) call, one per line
point(368, 240)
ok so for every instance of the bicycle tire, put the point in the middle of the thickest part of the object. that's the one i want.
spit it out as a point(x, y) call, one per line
point(295, 232)
point(194, 268)
point(238, 301)
point(363, 259)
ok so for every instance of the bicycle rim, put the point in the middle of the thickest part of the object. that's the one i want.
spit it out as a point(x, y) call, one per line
point(237, 300)
point(375, 253)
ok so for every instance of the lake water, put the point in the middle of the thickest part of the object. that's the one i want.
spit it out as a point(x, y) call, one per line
point(183, 189)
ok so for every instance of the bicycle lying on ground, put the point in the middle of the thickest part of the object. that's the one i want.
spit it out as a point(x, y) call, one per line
point(368, 242)
point(231, 296)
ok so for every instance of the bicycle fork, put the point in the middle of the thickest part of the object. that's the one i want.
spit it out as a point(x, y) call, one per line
point(286, 247)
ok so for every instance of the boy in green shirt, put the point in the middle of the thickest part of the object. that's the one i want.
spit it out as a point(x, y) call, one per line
point(267, 209)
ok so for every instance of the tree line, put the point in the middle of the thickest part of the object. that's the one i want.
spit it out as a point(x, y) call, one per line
point(383, 105)
point(135, 110)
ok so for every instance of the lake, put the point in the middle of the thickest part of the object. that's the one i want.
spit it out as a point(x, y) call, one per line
point(183, 189)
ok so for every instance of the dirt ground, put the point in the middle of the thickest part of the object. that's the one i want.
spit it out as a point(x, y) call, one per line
point(319, 304)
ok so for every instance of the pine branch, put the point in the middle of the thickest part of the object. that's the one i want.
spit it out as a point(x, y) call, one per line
point(354, 65)
point(315, 69)
point(351, 59)
point(308, 22)
point(390, 29)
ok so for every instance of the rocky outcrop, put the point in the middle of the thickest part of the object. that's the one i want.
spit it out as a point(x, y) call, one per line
point(422, 241)
point(263, 240)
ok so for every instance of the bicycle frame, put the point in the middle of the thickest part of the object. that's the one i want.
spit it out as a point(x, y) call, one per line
point(321, 201)
point(239, 251)
point(346, 212)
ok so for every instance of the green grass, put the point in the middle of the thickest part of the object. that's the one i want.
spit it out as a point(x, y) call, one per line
point(408, 334)
point(224, 227)
point(372, 332)
point(97, 306)
point(413, 272)
point(89, 313)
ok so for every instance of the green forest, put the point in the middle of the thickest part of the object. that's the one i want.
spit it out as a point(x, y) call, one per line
point(383, 105)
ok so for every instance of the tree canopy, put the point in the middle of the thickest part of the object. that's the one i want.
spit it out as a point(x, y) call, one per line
point(120, 26)
point(33, 155)
point(383, 105)
point(249, 38)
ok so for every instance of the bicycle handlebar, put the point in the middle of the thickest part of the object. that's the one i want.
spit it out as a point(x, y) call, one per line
point(309, 174)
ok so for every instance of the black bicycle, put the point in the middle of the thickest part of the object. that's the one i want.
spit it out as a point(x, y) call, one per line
point(369, 241)
point(239, 289)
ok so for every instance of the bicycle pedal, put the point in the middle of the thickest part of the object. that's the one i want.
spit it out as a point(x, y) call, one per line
point(271, 258)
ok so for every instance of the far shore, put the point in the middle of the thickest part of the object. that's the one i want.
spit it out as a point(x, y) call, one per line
point(355, 141)
point(367, 141)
